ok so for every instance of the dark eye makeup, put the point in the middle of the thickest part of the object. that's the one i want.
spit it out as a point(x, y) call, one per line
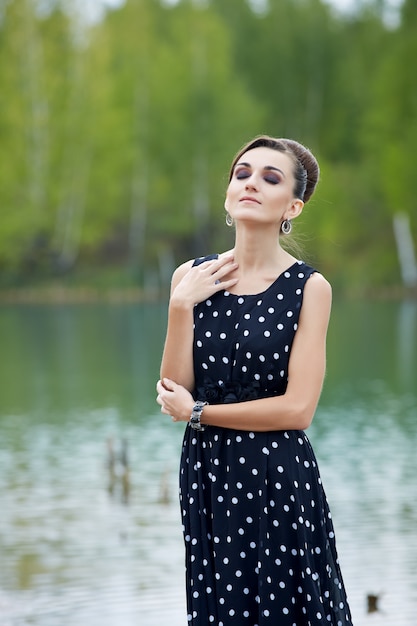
point(269, 177)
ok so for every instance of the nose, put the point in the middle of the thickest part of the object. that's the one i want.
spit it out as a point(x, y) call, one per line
point(251, 182)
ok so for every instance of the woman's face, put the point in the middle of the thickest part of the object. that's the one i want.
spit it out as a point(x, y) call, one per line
point(262, 187)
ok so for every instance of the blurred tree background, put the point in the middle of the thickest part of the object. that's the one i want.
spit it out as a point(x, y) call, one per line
point(116, 136)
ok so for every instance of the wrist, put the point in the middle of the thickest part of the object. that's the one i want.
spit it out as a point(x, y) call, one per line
point(196, 416)
point(179, 303)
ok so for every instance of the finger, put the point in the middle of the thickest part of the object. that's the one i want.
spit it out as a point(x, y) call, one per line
point(168, 384)
point(226, 284)
point(223, 265)
point(224, 272)
point(210, 267)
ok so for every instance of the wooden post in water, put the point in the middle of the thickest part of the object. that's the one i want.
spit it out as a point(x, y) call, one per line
point(405, 248)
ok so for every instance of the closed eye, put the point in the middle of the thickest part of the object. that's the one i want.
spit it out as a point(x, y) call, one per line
point(272, 178)
point(269, 176)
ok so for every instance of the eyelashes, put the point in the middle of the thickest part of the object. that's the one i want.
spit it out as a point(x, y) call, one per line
point(269, 177)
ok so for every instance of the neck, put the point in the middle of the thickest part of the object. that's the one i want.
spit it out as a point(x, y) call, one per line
point(260, 250)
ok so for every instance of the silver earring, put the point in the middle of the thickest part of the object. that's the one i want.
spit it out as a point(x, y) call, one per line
point(229, 219)
point(286, 227)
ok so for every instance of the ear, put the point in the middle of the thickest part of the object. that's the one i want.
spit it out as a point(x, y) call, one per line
point(295, 209)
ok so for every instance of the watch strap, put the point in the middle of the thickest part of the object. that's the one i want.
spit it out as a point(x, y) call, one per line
point(195, 419)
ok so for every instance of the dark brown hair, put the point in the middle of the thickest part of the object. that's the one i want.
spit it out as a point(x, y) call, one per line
point(306, 169)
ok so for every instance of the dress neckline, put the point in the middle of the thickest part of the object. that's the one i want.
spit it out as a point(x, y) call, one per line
point(261, 293)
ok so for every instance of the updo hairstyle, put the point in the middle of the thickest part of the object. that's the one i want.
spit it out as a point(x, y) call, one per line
point(306, 168)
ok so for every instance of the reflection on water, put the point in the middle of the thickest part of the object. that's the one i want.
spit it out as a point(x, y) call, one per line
point(72, 553)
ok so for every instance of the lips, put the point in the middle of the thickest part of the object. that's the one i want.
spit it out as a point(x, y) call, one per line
point(249, 199)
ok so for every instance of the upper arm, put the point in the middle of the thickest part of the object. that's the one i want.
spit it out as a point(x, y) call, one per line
point(307, 363)
point(179, 274)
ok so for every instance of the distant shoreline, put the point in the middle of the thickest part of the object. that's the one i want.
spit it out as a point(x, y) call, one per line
point(59, 295)
point(78, 295)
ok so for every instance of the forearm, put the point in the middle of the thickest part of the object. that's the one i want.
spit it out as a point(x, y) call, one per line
point(265, 414)
point(177, 358)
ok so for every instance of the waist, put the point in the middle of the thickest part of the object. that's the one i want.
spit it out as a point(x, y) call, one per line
point(232, 391)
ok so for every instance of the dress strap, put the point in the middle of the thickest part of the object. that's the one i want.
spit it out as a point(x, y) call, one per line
point(202, 259)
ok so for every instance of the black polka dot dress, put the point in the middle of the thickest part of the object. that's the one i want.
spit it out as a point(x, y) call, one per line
point(260, 544)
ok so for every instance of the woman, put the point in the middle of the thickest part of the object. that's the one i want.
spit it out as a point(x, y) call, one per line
point(243, 364)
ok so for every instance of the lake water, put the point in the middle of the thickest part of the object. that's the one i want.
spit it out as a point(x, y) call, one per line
point(77, 551)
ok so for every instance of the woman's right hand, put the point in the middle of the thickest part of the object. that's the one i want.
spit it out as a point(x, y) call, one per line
point(200, 282)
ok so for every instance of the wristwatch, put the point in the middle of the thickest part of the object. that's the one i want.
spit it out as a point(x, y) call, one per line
point(195, 419)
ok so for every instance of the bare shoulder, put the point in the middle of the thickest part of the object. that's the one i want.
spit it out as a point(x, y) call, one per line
point(318, 286)
point(317, 300)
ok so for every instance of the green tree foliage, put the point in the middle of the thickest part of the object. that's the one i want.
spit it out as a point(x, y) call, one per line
point(117, 136)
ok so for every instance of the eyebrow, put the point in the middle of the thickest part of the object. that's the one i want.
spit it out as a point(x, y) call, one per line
point(267, 167)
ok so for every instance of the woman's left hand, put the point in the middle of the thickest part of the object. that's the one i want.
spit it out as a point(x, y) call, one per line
point(175, 400)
